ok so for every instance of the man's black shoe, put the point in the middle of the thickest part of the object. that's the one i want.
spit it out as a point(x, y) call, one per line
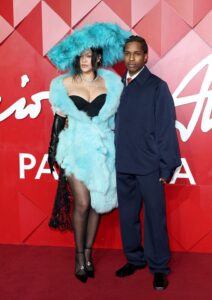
point(128, 270)
point(160, 281)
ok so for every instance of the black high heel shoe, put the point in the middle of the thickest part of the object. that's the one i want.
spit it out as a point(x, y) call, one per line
point(80, 269)
point(89, 264)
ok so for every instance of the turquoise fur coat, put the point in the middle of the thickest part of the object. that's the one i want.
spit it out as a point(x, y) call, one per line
point(86, 148)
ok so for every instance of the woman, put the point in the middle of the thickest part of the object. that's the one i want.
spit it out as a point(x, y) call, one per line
point(88, 97)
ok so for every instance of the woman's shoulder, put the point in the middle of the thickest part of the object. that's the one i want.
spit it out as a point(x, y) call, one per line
point(61, 81)
point(61, 78)
point(68, 81)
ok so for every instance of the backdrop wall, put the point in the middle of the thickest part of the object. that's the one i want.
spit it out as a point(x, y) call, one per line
point(180, 39)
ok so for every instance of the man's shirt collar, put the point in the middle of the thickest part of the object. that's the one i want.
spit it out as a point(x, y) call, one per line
point(135, 75)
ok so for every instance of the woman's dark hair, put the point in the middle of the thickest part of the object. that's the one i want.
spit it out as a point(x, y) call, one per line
point(139, 39)
point(96, 52)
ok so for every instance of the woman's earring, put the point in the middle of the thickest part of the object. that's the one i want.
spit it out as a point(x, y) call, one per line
point(99, 61)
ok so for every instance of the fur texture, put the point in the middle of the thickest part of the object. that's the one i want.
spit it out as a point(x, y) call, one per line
point(110, 37)
point(86, 148)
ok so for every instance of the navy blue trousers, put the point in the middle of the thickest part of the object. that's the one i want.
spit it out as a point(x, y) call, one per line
point(135, 191)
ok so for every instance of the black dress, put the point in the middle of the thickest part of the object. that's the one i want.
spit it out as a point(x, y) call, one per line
point(91, 108)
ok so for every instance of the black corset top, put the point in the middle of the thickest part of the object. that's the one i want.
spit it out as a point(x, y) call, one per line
point(91, 108)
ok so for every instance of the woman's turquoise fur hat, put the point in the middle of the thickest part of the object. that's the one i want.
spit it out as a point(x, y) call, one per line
point(110, 37)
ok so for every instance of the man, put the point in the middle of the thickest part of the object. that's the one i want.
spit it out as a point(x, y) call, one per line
point(147, 153)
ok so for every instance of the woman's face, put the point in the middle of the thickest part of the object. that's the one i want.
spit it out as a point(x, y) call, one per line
point(86, 61)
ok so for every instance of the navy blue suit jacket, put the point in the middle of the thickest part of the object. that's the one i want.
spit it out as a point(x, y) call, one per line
point(145, 133)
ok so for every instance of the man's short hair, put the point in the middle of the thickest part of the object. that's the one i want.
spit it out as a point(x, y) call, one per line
point(139, 39)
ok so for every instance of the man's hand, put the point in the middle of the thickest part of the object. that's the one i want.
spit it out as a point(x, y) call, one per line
point(162, 180)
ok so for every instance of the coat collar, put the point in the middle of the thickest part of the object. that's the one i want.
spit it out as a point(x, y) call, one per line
point(141, 78)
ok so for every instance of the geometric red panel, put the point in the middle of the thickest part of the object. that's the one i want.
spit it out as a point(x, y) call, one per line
point(204, 29)
point(6, 10)
point(45, 235)
point(188, 222)
point(163, 19)
point(51, 20)
point(33, 20)
point(178, 71)
point(80, 9)
point(102, 13)
point(144, 28)
point(201, 8)
point(193, 87)
point(153, 57)
point(113, 222)
point(175, 196)
point(123, 10)
point(39, 81)
point(49, 29)
point(62, 8)
point(30, 217)
point(181, 191)
point(192, 11)
point(204, 245)
point(6, 29)
point(21, 8)
point(206, 204)
point(140, 8)
point(174, 244)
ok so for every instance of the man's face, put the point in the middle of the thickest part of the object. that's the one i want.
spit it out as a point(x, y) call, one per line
point(134, 57)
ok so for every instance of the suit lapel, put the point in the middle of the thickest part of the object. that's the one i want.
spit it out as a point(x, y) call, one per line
point(142, 76)
point(140, 79)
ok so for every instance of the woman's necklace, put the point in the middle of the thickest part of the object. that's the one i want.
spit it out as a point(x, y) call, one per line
point(88, 81)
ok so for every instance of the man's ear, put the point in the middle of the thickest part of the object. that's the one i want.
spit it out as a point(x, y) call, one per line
point(146, 58)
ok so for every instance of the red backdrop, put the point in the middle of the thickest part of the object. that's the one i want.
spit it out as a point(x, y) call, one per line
point(180, 39)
